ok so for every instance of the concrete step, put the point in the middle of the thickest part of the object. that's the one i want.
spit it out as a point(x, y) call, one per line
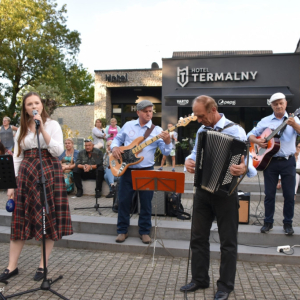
point(100, 233)
point(165, 247)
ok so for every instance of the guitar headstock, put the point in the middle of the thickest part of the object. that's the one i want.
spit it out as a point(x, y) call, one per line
point(297, 112)
point(185, 121)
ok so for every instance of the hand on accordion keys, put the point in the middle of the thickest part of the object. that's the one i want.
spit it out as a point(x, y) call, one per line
point(237, 170)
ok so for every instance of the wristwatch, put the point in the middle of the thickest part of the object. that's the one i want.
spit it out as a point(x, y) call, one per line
point(91, 169)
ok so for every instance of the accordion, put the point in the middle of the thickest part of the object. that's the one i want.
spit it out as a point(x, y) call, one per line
point(216, 152)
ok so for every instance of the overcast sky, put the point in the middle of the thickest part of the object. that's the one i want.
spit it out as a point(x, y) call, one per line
point(131, 34)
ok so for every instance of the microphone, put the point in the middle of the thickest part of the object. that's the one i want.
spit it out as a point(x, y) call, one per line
point(37, 122)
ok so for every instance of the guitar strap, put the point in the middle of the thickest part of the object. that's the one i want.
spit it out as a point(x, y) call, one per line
point(283, 129)
point(148, 131)
point(221, 129)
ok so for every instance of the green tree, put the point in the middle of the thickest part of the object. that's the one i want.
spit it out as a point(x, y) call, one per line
point(34, 44)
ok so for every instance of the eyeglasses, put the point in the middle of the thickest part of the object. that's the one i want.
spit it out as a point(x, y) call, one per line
point(87, 140)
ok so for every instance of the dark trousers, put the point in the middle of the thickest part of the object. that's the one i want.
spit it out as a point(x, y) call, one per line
point(287, 170)
point(125, 200)
point(206, 207)
point(79, 175)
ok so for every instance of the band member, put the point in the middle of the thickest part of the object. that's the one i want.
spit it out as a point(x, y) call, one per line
point(283, 162)
point(207, 206)
point(27, 216)
point(129, 132)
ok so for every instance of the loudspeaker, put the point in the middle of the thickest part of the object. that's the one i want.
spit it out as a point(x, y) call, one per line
point(161, 203)
point(244, 200)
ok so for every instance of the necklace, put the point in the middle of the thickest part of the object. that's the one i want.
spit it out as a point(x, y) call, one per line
point(68, 153)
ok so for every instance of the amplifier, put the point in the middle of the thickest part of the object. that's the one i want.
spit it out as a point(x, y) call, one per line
point(244, 210)
point(160, 199)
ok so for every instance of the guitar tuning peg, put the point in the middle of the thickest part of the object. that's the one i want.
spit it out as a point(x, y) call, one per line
point(192, 114)
point(181, 118)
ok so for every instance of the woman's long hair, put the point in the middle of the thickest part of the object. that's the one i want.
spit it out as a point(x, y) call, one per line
point(25, 118)
point(2, 149)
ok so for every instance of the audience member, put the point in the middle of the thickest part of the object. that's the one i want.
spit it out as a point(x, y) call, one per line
point(28, 215)
point(98, 134)
point(173, 136)
point(68, 158)
point(108, 176)
point(112, 129)
point(6, 134)
point(89, 165)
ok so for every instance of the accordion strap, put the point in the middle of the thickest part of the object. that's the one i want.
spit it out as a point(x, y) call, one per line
point(240, 180)
point(226, 126)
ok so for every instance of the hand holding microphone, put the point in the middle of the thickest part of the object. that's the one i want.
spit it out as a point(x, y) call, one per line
point(35, 113)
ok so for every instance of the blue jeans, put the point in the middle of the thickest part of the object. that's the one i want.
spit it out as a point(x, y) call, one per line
point(109, 177)
point(287, 171)
point(125, 201)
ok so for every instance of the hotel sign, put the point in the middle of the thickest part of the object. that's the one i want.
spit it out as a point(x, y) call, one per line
point(186, 75)
point(116, 78)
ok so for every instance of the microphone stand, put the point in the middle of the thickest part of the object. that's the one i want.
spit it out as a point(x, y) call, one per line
point(46, 284)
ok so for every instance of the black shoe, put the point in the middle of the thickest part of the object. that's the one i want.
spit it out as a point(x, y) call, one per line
point(98, 194)
point(288, 229)
point(221, 295)
point(39, 275)
point(192, 286)
point(113, 189)
point(267, 227)
point(79, 193)
point(110, 195)
point(6, 274)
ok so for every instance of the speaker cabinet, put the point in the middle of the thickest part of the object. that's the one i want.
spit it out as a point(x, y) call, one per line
point(244, 210)
point(161, 203)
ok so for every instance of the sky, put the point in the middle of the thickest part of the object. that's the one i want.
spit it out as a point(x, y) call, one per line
point(131, 34)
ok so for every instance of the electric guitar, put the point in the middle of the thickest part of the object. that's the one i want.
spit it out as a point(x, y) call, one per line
point(129, 156)
point(262, 156)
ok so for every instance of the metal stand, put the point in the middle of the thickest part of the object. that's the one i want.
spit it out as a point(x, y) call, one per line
point(46, 284)
point(96, 206)
point(157, 181)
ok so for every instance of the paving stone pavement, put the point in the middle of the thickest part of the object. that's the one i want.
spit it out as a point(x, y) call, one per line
point(90, 275)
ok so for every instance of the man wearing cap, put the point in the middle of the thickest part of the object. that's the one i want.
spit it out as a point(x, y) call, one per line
point(129, 132)
point(283, 162)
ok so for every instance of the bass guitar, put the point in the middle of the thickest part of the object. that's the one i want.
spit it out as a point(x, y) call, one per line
point(262, 156)
point(130, 152)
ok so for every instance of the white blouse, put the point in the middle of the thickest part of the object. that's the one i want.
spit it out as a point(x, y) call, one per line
point(55, 147)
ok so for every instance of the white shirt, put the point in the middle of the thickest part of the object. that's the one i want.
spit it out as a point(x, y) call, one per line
point(55, 147)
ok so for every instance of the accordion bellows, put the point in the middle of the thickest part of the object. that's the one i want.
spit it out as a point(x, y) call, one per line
point(216, 152)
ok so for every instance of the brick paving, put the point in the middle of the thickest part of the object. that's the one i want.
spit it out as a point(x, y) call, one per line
point(95, 275)
point(89, 274)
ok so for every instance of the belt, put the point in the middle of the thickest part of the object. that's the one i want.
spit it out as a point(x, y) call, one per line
point(35, 153)
point(282, 157)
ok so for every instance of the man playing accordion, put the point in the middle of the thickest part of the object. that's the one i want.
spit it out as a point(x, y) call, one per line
point(207, 206)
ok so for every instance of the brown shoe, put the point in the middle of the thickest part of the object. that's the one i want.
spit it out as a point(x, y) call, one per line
point(145, 238)
point(121, 237)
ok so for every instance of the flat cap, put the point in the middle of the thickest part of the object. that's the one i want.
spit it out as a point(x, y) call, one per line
point(143, 104)
point(277, 96)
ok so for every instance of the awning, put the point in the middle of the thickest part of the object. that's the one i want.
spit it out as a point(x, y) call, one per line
point(229, 97)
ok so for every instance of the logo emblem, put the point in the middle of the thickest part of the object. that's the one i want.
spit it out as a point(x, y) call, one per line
point(224, 102)
point(182, 102)
point(183, 76)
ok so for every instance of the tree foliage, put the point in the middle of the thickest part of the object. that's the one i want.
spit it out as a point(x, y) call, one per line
point(38, 50)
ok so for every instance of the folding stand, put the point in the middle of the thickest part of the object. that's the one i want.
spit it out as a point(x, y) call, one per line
point(157, 181)
point(96, 206)
point(46, 284)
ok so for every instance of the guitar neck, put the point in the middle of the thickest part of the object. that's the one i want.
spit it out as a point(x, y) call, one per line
point(143, 145)
point(278, 129)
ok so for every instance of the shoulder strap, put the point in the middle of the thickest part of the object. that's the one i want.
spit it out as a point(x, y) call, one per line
point(226, 126)
point(148, 131)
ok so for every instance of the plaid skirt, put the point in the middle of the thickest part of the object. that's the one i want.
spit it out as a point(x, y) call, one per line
point(27, 216)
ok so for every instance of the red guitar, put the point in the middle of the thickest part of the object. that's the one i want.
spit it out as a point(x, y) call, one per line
point(129, 157)
point(262, 156)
